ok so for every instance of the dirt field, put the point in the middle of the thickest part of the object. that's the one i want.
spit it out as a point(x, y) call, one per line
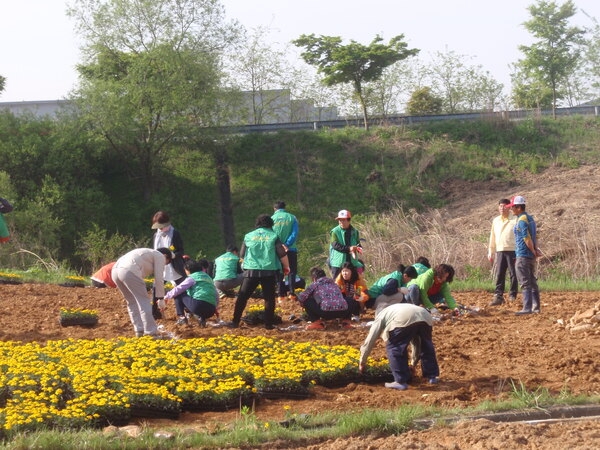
point(478, 354)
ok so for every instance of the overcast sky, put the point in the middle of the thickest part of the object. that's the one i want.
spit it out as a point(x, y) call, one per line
point(39, 49)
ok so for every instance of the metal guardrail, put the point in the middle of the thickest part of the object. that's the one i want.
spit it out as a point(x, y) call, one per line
point(409, 120)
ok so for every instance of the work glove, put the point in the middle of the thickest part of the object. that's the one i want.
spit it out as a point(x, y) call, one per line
point(161, 303)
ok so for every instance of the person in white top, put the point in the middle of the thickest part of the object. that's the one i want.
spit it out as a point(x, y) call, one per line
point(128, 274)
point(501, 253)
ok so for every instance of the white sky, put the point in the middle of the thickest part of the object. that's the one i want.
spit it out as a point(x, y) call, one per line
point(39, 49)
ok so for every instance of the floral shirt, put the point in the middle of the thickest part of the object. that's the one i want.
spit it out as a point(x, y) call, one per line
point(326, 293)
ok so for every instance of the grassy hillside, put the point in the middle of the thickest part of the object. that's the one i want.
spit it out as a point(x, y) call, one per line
point(66, 185)
point(319, 173)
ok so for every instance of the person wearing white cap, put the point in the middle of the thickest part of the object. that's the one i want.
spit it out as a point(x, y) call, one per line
point(526, 251)
point(344, 244)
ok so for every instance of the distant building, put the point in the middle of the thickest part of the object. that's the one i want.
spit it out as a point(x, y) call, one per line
point(38, 108)
point(264, 107)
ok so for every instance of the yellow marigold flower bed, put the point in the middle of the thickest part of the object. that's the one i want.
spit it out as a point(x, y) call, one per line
point(71, 383)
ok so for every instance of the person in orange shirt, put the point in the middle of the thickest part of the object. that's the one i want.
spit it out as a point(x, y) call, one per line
point(103, 277)
point(354, 289)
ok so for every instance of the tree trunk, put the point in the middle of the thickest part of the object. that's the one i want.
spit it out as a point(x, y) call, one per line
point(363, 105)
point(224, 188)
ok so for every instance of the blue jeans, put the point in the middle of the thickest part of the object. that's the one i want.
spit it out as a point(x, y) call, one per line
point(396, 349)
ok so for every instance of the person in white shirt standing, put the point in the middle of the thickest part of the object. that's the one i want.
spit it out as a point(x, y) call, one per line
point(501, 253)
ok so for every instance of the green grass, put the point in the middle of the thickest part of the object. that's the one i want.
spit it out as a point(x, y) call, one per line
point(296, 430)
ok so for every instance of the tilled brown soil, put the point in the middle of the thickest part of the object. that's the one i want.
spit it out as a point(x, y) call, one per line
point(480, 355)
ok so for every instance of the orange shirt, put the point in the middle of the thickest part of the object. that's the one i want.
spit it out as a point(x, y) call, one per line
point(104, 275)
point(359, 288)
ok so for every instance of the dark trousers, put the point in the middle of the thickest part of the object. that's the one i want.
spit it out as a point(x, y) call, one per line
point(247, 288)
point(314, 311)
point(198, 307)
point(505, 261)
point(397, 346)
point(353, 306)
point(525, 268)
point(281, 287)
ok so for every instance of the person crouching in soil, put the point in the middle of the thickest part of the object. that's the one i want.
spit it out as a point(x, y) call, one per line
point(197, 293)
point(323, 300)
point(398, 324)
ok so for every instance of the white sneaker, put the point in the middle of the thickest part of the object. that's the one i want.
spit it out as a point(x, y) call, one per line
point(397, 386)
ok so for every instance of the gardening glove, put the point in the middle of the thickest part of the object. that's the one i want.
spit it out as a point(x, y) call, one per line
point(434, 311)
point(161, 303)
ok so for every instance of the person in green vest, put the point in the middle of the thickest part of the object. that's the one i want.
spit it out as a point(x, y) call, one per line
point(228, 271)
point(196, 293)
point(263, 254)
point(422, 265)
point(344, 245)
point(285, 225)
point(5, 207)
point(402, 275)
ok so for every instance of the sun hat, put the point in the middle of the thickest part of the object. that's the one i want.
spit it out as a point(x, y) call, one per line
point(160, 226)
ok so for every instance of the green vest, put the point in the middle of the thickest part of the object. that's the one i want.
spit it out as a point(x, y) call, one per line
point(260, 250)
point(204, 289)
point(420, 268)
point(377, 288)
point(283, 223)
point(337, 259)
point(4, 234)
point(226, 266)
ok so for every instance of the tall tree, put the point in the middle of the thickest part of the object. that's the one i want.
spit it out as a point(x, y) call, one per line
point(262, 70)
point(2, 83)
point(151, 73)
point(353, 63)
point(463, 87)
point(556, 52)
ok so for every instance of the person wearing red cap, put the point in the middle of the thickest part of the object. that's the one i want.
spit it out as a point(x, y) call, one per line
point(526, 252)
point(344, 244)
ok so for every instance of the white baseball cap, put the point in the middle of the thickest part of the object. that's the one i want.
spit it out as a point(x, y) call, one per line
point(516, 200)
point(343, 214)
